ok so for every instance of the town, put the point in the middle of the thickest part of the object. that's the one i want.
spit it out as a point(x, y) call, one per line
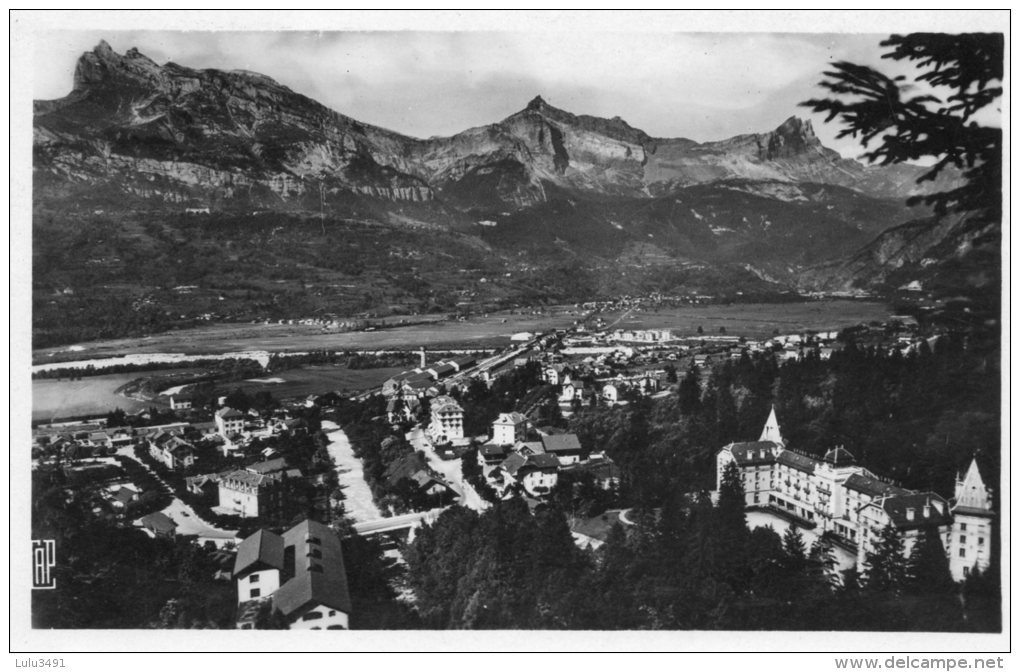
point(273, 494)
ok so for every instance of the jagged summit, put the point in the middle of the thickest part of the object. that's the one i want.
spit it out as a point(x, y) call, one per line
point(252, 130)
point(536, 103)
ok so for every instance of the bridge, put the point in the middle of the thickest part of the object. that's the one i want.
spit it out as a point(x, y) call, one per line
point(407, 521)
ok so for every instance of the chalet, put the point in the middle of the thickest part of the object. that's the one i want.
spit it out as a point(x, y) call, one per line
point(205, 486)
point(172, 451)
point(537, 474)
point(603, 469)
point(566, 448)
point(300, 573)
point(404, 409)
point(527, 448)
point(124, 496)
point(181, 402)
point(414, 469)
point(159, 524)
point(100, 440)
point(492, 454)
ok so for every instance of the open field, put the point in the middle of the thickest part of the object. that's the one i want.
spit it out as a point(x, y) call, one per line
point(91, 395)
point(493, 330)
point(754, 320)
point(317, 380)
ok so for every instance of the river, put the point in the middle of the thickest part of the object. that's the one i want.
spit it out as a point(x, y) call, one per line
point(359, 503)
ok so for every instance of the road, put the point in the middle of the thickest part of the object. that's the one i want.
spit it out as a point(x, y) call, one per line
point(358, 500)
point(187, 520)
point(449, 469)
point(397, 522)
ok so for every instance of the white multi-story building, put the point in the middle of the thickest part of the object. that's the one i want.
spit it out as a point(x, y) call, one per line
point(836, 495)
point(229, 422)
point(447, 421)
point(509, 428)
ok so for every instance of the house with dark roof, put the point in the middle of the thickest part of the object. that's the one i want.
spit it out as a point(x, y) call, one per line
point(603, 469)
point(564, 447)
point(159, 524)
point(299, 573)
point(491, 454)
point(415, 470)
point(205, 486)
point(172, 451)
point(536, 474)
point(123, 496)
point(250, 494)
point(911, 514)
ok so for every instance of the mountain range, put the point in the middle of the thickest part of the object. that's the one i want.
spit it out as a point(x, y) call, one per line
point(542, 184)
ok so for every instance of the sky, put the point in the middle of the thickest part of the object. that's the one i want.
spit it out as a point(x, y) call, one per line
point(659, 78)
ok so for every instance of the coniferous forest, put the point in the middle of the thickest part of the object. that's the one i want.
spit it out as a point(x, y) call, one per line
point(688, 564)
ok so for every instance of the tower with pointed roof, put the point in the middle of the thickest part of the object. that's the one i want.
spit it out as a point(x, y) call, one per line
point(970, 543)
point(771, 430)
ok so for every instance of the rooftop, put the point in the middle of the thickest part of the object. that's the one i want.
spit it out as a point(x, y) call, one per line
point(561, 443)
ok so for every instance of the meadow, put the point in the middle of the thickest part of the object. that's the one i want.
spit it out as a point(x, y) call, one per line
point(753, 320)
point(483, 331)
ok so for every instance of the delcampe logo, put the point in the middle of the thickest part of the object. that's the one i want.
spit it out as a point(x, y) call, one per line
point(43, 559)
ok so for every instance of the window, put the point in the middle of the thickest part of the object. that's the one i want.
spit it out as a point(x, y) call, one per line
point(966, 571)
point(254, 578)
point(963, 538)
point(963, 552)
point(255, 592)
point(332, 612)
point(311, 616)
point(981, 541)
point(963, 527)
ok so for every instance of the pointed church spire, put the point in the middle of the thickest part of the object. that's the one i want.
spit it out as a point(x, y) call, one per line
point(771, 430)
point(971, 491)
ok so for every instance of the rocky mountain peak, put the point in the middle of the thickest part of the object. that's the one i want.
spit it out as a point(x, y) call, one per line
point(537, 103)
point(794, 136)
point(103, 65)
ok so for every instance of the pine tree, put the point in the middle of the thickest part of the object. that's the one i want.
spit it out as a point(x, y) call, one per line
point(794, 548)
point(823, 557)
point(731, 530)
point(885, 568)
point(928, 567)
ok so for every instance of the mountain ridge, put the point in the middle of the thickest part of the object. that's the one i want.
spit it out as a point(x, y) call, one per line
point(290, 144)
point(554, 205)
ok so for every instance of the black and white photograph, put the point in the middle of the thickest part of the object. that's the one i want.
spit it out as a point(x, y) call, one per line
point(578, 331)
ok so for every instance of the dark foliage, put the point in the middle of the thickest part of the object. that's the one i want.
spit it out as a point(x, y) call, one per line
point(960, 76)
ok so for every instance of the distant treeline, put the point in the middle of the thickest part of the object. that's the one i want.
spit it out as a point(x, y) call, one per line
point(277, 362)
